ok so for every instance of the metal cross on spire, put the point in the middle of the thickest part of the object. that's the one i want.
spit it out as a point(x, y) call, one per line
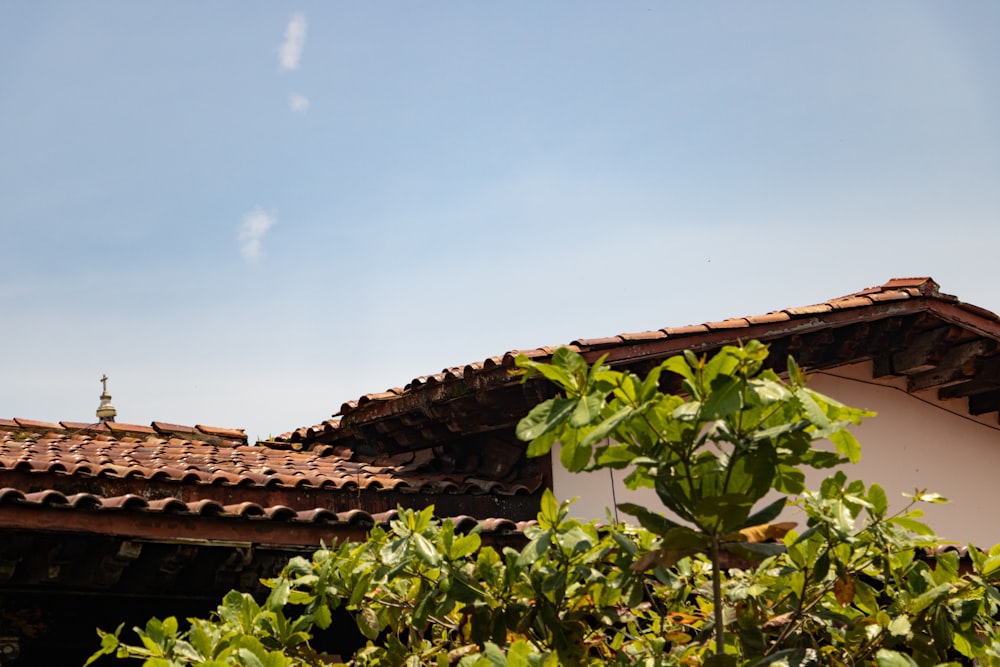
point(105, 411)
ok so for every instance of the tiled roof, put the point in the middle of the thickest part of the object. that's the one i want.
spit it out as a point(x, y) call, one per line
point(194, 511)
point(858, 326)
point(215, 457)
point(167, 482)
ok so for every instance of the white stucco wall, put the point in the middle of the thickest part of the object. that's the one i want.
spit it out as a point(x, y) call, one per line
point(916, 442)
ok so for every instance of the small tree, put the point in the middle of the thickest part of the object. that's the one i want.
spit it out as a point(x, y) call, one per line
point(848, 590)
point(711, 456)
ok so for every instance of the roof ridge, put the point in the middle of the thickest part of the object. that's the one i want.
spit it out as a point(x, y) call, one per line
point(198, 432)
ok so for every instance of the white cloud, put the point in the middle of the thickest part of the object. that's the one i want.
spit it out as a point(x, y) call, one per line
point(290, 52)
point(298, 102)
point(255, 224)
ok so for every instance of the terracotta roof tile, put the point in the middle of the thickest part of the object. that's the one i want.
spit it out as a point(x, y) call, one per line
point(925, 286)
point(642, 336)
point(598, 342)
point(46, 497)
point(769, 318)
point(129, 502)
point(896, 295)
point(685, 331)
point(30, 423)
point(818, 309)
point(116, 427)
point(235, 434)
point(732, 323)
point(80, 426)
point(846, 302)
point(84, 501)
point(164, 427)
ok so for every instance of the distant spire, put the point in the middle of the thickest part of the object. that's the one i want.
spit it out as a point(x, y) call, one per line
point(105, 411)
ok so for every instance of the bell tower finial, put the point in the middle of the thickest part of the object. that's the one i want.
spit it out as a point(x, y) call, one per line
point(105, 411)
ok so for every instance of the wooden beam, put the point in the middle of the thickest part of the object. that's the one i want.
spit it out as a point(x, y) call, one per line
point(986, 379)
point(980, 404)
point(958, 363)
point(922, 351)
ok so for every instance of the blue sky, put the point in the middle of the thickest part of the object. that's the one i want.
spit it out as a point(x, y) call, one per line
point(247, 213)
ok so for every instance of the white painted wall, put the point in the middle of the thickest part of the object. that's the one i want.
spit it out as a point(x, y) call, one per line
point(916, 442)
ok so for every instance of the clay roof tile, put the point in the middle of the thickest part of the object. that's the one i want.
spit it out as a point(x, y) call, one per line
point(10, 496)
point(731, 323)
point(84, 501)
point(280, 513)
point(362, 518)
point(128, 501)
point(48, 497)
point(317, 515)
point(169, 505)
point(642, 335)
point(166, 427)
point(31, 423)
point(245, 509)
point(117, 427)
point(232, 433)
point(597, 342)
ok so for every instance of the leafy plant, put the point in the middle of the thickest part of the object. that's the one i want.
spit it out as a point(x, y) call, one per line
point(717, 581)
point(710, 456)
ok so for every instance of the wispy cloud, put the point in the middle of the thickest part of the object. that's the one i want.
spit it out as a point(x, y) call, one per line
point(298, 102)
point(252, 230)
point(290, 52)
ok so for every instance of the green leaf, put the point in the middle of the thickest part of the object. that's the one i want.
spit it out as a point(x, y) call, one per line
point(792, 657)
point(878, 500)
point(322, 617)
point(495, 655)
point(426, 550)
point(899, 627)
point(964, 646)
point(544, 417)
point(679, 365)
point(651, 521)
point(887, 658)
point(368, 622)
point(795, 375)
point(464, 546)
point(929, 597)
point(721, 513)
point(548, 510)
point(109, 644)
point(249, 659)
point(614, 456)
point(912, 525)
point(571, 361)
point(846, 444)
point(534, 550)
point(753, 550)
point(683, 538)
point(277, 598)
point(542, 445)
point(588, 409)
point(606, 427)
point(553, 373)
point(518, 653)
point(723, 400)
point(573, 455)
